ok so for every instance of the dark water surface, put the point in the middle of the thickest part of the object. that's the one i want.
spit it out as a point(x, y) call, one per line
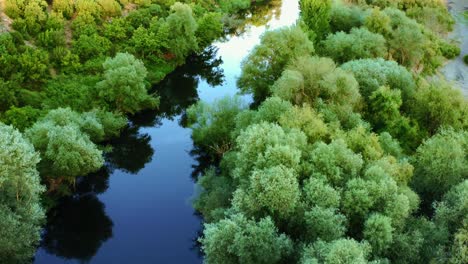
point(138, 208)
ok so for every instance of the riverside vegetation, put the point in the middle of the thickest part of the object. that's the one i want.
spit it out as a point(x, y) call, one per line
point(352, 152)
point(70, 74)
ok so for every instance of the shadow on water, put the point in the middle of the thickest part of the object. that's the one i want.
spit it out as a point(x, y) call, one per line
point(77, 227)
point(130, 152)
point(178, 90)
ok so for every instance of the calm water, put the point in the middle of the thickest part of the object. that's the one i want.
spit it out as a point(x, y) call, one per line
point(138, 208)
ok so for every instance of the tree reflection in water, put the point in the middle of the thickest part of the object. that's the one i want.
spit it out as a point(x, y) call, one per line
point(131, 151)
point(77, 227)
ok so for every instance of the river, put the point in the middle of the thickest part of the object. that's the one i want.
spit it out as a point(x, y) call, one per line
point(138, 208)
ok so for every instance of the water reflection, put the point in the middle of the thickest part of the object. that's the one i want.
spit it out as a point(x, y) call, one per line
point(76, 228)
point(131, 151)
point(97, 182)
point(259, 15)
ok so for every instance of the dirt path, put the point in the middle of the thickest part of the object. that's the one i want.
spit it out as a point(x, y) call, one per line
point(5, 21)
point(457, 70)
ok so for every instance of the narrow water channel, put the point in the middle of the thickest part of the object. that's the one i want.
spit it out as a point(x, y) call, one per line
point(138, 209)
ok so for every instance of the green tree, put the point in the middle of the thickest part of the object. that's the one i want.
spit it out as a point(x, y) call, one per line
point(209, 29)
point(371, 74)
point(182, 27)
point(345, 17)
point(335, 163)
point(316, 15)
point(266, 62)
point(440, 163)
point(257, 140)
point(338, 251)
point(324, 224)
point(88, 47)
point(66, 7)
point(212, 124)
point(378, 231)
point(21, 214)
point(33, 65)
point(21, 117)
point(109, 8)
point(272, 191)
point(123, 86)
point(313, 80)
point(384, 114)
point(66, 152)
point(358, 44)
point(65, 138)
point(440, 105)
point(240, 240)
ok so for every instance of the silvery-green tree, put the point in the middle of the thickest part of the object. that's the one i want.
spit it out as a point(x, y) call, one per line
point(21, 213)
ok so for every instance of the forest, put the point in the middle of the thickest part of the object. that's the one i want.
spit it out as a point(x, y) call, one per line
point(354, 149)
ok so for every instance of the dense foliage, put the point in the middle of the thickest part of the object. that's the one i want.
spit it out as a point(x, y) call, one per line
point(349, 153)
point(21, 213)
point(70, 74)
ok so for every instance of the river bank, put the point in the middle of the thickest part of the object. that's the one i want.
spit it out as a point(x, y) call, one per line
point(456, 70)
point(139, 208)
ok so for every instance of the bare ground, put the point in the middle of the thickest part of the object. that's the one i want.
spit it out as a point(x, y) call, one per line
point(456, 70)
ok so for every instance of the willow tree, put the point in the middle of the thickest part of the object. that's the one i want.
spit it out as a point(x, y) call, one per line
point(266, 62)
point(21, 213)
point(124, 86)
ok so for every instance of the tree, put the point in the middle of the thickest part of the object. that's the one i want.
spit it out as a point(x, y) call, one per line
point(212, 124)
point(316, 15)
point(65, 138)
point(358, 44)
point(35, 16)
point(21, 214)
point(337, 251)
point(371, 74)
point(384, 114)
point(266, 62)
point(378, 22)
point(451, 211)
point(65, 151)
point(91, 46)
point(182, 27)
point(440, 163)
point(344, 17)
point(240, 240)
point(258, 140)
point(109, 8)
point(317, 193)
point(271, 191)
point(21, 117)
point(319, 83)
point(64, 6)
point(123, 86)
point(335, 163)
point(378, 231)
point(440, 105)
point(209, 29)
point(33, 65)
point(324, 224)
